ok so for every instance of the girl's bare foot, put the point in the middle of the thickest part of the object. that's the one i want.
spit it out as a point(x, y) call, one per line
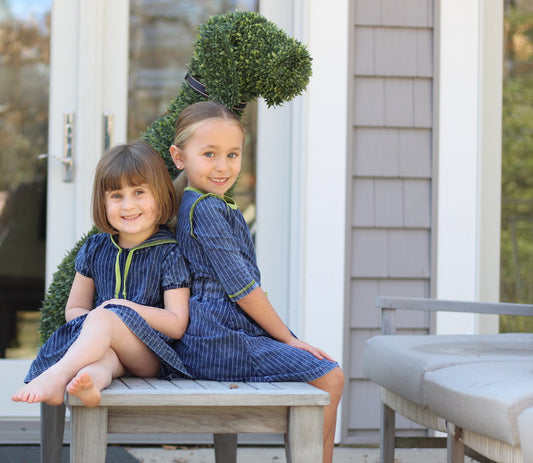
point(82, 386)
point(44, 388)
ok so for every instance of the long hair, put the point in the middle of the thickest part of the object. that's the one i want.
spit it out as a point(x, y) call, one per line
point(133, 164)
point(189, 120)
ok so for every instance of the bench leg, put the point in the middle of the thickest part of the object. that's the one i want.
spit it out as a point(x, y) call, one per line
point(88, 436)
point(388, 430)
point(303, 441)
point(225, 448)
point(455, 449)
point(52, 430)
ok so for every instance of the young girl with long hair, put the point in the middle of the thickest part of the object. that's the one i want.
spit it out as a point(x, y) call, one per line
point(234, 332)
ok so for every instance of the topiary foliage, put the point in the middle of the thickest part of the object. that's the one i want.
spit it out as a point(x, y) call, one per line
point(238, 57)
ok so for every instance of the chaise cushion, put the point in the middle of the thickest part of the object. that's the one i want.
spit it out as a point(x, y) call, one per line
point(483, 397)
point(401, 362)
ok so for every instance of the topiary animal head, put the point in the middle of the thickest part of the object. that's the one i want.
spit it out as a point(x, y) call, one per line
point(237, 58)
point(242, 56)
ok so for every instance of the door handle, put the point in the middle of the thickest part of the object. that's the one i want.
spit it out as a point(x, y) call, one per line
point(68, 148)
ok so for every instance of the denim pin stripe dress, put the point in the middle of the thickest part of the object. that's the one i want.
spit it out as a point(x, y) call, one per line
point(222, 342)
point(141, 275)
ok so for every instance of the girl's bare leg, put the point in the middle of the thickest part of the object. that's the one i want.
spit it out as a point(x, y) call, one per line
point(102, 330)
point(91, 379)
point(332, 382)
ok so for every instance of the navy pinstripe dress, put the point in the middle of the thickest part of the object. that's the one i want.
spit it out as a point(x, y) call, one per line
point(222, 342)
point(140, 274)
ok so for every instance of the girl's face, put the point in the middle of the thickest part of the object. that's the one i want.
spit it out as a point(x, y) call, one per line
point(212, 156)
point(133, 212)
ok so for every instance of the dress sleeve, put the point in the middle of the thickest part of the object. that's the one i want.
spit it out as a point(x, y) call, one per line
point(213, 229)
point(83, 262)
point(175, 271)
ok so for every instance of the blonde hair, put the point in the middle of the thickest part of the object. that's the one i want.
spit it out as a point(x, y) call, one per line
point(189, 120)
point(133, 164)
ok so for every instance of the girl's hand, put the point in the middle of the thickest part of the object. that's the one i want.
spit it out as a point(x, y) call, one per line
point(318, 353)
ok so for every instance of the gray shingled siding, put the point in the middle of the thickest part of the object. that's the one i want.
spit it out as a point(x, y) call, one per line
point(391, 167)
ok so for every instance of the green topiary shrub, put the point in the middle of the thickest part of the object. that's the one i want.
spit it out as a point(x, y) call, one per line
point(237, 58)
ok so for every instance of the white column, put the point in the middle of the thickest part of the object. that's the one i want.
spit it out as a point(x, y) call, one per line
point(325, 181)
point(468, 158)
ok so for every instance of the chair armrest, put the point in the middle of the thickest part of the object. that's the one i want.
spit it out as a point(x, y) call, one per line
point(389, 305)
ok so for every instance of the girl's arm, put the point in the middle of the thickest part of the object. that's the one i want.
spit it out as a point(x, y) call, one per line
point(257, 306)
point(172, 321)
point(81, 297)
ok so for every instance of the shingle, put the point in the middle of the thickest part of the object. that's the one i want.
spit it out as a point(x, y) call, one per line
point(408, 253)
point(364, 51)
point(396, 51)
point(399, 102)
point(417, 207)
point(389, 203)
point(368, 104)
point(376, 152)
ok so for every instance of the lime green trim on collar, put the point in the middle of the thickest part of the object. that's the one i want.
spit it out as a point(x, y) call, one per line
point(118, 276)
point(227, 199)
point(230, 203)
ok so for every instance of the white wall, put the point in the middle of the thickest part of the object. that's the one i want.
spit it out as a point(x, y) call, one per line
point(469, 157)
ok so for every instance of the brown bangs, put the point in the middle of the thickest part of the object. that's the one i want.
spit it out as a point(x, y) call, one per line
point(129, 172)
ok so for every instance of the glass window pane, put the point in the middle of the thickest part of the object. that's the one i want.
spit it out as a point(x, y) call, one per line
point(24, 79)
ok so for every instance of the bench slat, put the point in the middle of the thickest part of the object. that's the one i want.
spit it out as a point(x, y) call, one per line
point(163, 386)
point(187, 384)
point(136, 384)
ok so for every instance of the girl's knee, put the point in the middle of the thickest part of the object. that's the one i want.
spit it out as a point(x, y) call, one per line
point(100, 316)
point(337, 378)
point(332, 382)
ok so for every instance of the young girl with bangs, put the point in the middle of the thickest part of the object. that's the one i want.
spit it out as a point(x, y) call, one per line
point(129, 298)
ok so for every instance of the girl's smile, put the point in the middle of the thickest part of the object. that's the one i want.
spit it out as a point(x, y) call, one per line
point(212, 156)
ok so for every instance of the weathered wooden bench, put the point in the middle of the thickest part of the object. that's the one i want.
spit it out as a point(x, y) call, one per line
point(138, 406)
point(476, 388)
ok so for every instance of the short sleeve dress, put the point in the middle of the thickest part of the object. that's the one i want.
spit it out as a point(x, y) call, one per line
point(140, 274)
point(222, 342)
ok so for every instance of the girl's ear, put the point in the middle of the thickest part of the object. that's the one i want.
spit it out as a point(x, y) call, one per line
point(177, 157)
